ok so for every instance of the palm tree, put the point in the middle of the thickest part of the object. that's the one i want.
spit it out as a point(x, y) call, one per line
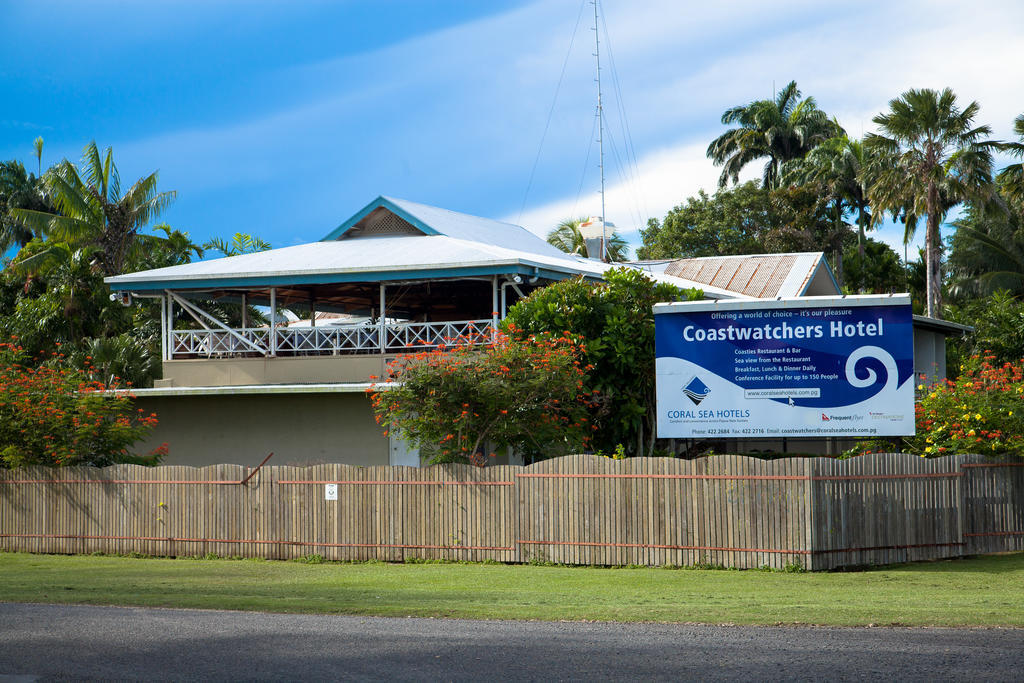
point(987, 252)
point(933, 157)
point(119, 359)
point(841, 165)
point(567, 237)
point(92, 211)
point(1011, 178)
point(780, 129)
point(37, 147)
point(71, 307)
point(240, 243)
point(41, 257)
point(173, 248)
point(19, 189)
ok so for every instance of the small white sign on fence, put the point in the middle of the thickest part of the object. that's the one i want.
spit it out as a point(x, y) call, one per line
point(330, 492)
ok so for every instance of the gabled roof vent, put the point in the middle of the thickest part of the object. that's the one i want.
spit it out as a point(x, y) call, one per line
point(378, 222)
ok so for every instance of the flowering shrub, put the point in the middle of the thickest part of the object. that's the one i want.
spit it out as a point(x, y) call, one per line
point(50, 415)
point(615, 319)
point(528, 394)
point(981, 412)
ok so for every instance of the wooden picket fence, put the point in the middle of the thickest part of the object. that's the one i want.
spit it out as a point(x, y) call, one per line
point(729, 510)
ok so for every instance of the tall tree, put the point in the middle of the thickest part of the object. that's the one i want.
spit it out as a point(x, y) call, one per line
point(19, 189)
point(881, 271)
point(934, 157)
point(987, 251)
point(748, 219)
point(840, 164)
point(808, 218)
point(567, 237)
point(37, 147)
point(1011, 178)
point(91, 210)
point(731, 221)
point(779, 129)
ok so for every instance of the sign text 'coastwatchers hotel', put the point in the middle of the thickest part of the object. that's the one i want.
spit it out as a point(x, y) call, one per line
point(814, 367)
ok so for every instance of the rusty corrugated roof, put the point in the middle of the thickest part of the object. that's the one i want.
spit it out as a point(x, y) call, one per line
point(761, 275)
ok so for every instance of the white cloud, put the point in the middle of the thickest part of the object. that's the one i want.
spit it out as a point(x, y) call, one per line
point(665, 179)
point(454, 117)
point(853, 59)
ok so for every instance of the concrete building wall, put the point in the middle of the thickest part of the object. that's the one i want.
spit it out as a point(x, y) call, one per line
point(300, 429)
point(929, 354)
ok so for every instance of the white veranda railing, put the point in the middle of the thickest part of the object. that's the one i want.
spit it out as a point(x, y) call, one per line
point(334, 340)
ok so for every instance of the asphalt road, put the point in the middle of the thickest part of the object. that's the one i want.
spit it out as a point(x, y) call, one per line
point(41, 642)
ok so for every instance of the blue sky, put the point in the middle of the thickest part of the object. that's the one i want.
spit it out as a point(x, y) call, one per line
point(282, 119)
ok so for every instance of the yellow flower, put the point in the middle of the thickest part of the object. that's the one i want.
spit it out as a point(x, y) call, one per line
point(928, 449)
point(970, 433)
point(977, 416)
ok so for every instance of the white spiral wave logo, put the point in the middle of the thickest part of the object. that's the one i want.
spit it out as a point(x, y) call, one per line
point(879, 354)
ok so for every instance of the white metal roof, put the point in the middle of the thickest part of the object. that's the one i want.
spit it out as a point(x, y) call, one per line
point(364, 255)
point(467, 227)
point(386, 257)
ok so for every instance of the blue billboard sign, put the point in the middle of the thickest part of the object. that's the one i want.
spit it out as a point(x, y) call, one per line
point(810, 367)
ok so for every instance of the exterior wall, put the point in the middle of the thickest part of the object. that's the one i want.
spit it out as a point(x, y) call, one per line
point(221, 372)
point(929, 354)
point(300, 429)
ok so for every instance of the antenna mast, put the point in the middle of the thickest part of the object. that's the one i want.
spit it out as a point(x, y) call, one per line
point(600, 133)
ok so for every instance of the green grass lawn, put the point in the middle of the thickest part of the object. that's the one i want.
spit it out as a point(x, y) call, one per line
point(983, 591)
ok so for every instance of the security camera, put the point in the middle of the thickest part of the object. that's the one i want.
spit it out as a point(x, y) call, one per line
point(517, 279)
point(124, 298)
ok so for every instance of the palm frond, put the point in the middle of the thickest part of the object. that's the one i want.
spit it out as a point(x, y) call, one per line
point(1011, 182)
point(143, 203)
point(778, 130)
point(55, 252)
point(566, 236)
point(70, 196)
point(113, 178)
point(95, 173)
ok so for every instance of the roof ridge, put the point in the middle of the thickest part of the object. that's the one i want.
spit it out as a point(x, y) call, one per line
point(452, 211)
